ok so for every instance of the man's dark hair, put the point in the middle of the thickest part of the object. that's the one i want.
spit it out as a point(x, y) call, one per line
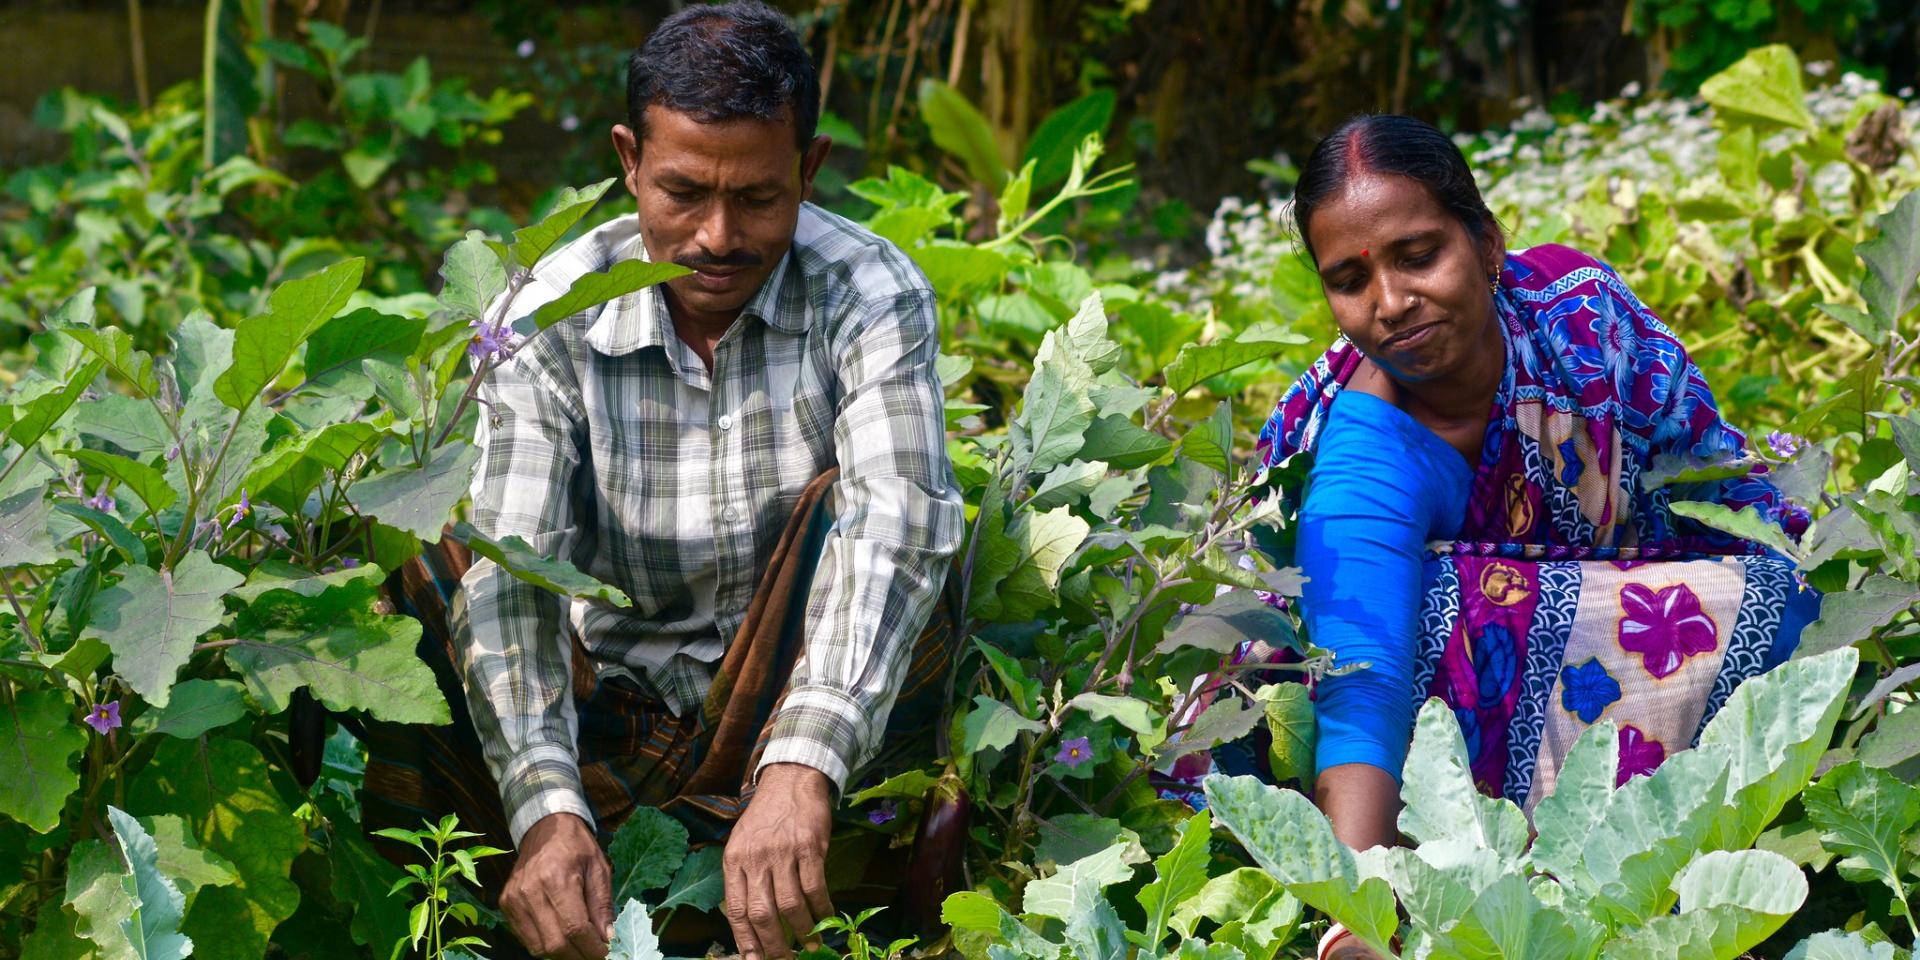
point(1396, 145)
point(725, 62)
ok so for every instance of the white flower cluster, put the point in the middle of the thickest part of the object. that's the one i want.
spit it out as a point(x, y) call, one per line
point(1532, 168)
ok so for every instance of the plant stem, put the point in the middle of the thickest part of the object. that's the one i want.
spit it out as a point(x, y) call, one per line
point(25, 626)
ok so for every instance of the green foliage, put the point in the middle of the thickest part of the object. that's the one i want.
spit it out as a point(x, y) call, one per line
point(436, 907)
point(1607, 869)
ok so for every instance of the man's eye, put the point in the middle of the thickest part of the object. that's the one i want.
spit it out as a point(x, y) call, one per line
point(682, 196)
point(761, 202)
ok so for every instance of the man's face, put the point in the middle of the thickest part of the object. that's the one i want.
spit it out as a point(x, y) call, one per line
point(719, 198)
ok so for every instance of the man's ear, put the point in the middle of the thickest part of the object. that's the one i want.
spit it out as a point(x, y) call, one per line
point(626, 143)
point(810, 162)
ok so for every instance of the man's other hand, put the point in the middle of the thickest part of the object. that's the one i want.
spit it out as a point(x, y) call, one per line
point(559, 899)
point(776, 862)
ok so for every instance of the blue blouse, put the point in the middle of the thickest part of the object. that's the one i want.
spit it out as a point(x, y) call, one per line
point(1382, 486)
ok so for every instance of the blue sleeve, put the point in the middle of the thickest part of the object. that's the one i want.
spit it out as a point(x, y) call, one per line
point(1382, 486)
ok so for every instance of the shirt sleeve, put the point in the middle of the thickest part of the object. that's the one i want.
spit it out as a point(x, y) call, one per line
point(515, 652)
point(1375, 500)
point(897, 523)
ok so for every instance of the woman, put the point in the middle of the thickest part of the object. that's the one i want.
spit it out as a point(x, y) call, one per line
point(1511, 401)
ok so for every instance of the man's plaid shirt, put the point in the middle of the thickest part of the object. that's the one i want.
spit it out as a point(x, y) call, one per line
point(611, 445)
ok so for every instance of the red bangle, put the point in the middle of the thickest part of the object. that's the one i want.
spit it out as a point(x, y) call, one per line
point(1333, 936)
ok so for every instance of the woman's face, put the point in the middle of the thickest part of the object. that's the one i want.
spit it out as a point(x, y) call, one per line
point(1407, 282)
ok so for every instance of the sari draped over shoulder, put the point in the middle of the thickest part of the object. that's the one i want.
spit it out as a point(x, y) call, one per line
point(1573, 591)
point(1595, 389)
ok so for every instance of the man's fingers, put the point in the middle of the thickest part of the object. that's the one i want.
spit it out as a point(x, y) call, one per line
point(763, 914)
point(577, 937)
point(736, 911)
point(791, 901)
point(813, 885)
point(600, 910)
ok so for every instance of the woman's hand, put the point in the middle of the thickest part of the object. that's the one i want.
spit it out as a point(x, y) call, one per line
point(1362, 801)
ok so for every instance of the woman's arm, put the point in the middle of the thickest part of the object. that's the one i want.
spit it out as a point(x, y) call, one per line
point(1382, 486)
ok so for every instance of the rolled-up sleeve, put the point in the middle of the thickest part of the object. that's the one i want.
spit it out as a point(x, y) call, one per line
point(514, 649)
point(898, 520)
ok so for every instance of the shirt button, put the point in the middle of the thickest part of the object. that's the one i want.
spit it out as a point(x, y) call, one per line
point(726, 421)
point(731, 514)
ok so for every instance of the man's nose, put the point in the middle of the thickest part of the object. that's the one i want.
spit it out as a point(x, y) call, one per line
point(718, 235)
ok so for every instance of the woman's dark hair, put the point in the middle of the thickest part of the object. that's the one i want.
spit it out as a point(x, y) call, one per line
point(725, 62)
point(1402, 147)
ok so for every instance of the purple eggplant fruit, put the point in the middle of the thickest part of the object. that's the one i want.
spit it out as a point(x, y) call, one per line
point(937, 865)
point(306, 736)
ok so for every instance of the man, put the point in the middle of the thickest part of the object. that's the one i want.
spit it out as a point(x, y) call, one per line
point(661, 442)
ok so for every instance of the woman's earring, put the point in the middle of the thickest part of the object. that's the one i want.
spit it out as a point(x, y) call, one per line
point(1493, 284)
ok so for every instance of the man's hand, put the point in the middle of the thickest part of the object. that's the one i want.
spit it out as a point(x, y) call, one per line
point(776, 861)
point(559, 899)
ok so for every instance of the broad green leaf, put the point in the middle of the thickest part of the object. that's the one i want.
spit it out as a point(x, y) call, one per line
point(1084, 337)
point(183, 860)
point(1196, 950)
point(1851, 616)
point(911, 785)
point(153, 929)
point(100, 903)
point(1505, 920)
point(133, 426)
point(1291, 838)
point(143, 481)
point(633, 936)
point(1178, 874)
point(1764, 85)
point(1234, 895)
point(1221, 626)
point(367, 664)
point(1054, 416)
point(419, 500)
point(1068, 484)
point(1746, 524)
point(23, 530)
point(194, 707)
point(1652, 828)
point(33, 419)
point(472, 277)
point(1196, 363)
point(1067, 837)
point(38, 740)
point(1133, 713)
point(113, 346)
point(362, 878)
point(1014, 197)
point(1056, 138)
point(263, 344)
point(1775, 727)
point(531, 243)
point(53, 936)
point(1729, 902)
point(1292, 724)
point(958, 269)
point(1840, 945)
point(1122, 444)
point(223, 790)
point(993, 725)
point(1867, 816)
point(1893, 262)
point(302, 460)
point(1906, 436)
point(646, 852)
point(1210, 442)
point(1894, 740)
point(1224, 721)
point(960, 130)
point(594, 289)
point(980, 913)
point(1043, 542)
point(699, 885)
point(1582, 792)
point(1075, 887)
point(1096, 932)
point(1870, 328)
point(336, 350)
point(1441, 802)
point(551, 573)
point(108, 526)
point(151, 618)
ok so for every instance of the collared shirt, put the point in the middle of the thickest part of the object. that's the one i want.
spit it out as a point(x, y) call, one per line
point(606, 441)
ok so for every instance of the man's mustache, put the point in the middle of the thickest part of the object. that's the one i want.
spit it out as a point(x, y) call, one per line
point(705, 261)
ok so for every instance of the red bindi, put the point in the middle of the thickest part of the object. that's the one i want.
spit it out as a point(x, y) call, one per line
point(1363, 251)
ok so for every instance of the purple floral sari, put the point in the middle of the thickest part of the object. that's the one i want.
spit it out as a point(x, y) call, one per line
point(1575, 593)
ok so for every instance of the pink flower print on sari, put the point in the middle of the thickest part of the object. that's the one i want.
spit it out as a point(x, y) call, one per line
point(1640, 755)
point(1664, 627)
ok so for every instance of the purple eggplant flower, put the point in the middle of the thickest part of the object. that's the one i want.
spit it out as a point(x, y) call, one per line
point(882, 814)
point(1074, 752)
point(104, 717)
point(1785, 445)
point(241, 510)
